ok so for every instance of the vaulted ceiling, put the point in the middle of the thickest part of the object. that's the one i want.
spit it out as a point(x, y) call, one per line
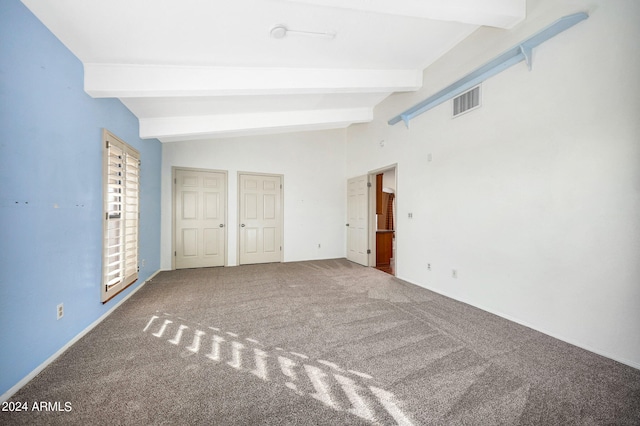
point(201, 69)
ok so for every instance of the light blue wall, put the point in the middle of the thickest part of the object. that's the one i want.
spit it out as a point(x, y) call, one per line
point(51, 194)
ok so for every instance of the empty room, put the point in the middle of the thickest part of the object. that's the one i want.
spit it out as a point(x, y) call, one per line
point(320, 212)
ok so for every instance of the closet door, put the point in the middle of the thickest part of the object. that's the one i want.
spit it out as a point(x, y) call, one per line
point(200, 212)
point(260, 210)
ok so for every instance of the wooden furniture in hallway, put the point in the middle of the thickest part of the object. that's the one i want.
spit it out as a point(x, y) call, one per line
point(384, 250)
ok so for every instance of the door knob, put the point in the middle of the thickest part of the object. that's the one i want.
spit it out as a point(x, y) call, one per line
point(347, 224)
point(222, 225)
point(242, 225)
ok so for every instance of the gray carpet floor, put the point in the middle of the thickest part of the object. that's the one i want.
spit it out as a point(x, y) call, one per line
point(320, 343)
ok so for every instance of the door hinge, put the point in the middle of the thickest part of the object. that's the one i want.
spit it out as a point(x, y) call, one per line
point(280, 248)
point(175, 181)
point(280, 186)
point(175, 253)
point(368, 251)
point(107, 144)
point(368, 184)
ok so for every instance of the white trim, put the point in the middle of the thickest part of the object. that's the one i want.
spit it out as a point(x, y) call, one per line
point(525, 324)
point(15, 388)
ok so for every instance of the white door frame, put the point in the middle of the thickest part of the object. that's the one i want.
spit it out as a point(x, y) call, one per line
point(238, 233)
point(373, 224)
point(174, 169)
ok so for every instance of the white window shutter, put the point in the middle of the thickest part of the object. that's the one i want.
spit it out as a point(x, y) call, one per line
point(122, 206)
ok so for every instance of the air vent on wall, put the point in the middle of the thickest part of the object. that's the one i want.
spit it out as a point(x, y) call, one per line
point(466, 102)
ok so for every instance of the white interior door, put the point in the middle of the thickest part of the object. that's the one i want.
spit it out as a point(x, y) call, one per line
point(358, 216)
point(260, 210)
point(200, 206)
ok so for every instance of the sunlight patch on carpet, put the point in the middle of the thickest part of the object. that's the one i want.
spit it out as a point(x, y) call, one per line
point(325, 381)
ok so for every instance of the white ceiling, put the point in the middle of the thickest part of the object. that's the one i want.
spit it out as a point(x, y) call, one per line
point(200, 69)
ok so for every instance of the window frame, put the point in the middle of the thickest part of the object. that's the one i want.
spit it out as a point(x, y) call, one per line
point(121, 215)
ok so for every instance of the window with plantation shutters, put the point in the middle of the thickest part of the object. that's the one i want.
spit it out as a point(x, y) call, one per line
point(121, 165)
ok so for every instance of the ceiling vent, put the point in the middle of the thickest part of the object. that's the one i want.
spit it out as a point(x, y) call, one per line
point(466, 102)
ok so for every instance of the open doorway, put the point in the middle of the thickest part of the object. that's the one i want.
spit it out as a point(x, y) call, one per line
point(383, 219)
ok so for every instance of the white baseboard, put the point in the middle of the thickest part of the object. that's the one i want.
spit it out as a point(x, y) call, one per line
point(15, 388)
point(518, 321)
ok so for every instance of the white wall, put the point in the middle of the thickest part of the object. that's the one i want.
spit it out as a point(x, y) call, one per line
point(389, 179)
point(313, 165)
point(535, 197)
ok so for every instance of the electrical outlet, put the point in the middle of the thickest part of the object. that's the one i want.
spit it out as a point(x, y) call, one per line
point(318, 245)
point(410, 215)
point(428, 266)
point(60, 310)
point(454, 273)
